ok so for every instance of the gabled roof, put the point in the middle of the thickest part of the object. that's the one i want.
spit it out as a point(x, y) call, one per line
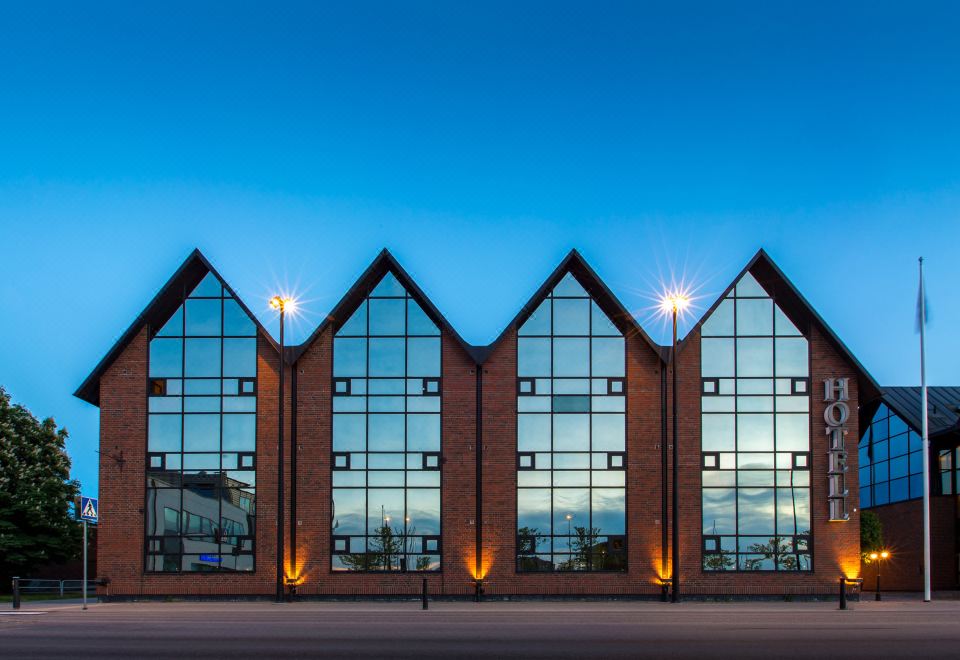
point(384, 263)
point(943, 411)
point(798, 310)
point(575, 264)
point(158, 312)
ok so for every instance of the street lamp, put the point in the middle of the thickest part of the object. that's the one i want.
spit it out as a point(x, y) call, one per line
point(879, 557)
point(282, 305)
point(672, 303)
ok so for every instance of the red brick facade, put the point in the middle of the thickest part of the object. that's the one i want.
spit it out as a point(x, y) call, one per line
point(903, 535)
point(123, 403)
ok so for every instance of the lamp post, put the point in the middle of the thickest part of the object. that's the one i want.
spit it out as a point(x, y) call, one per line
point(879, 557)
point(280, 304)
point(673, 303)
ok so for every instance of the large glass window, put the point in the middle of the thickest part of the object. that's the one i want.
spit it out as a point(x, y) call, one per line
point(755, 442)
point(386, 459)
point(571, 448)
point(891, 462)
point(201, 436)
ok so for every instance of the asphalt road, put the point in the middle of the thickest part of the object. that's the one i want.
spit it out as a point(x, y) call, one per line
point(893, 628)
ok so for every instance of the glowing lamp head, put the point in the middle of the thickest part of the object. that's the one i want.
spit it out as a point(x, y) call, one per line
point(884, 554)
point(569, 517)
point(674, 301)
point(873, 556)
point(282, 304)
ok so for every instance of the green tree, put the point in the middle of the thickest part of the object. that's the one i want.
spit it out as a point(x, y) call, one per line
point(36, 493)
point(871, 534)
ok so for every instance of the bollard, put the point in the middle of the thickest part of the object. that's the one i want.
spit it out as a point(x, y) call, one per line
point(843, 593)
point(16, 593)
point(423, 594)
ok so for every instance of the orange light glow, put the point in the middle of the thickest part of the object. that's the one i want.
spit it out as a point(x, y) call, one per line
point(284, 304)
point(674, 301)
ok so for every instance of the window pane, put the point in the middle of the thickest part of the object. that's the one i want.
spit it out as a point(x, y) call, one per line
point(720, 322)
point(533, 357)
point(571, 357)
point(717, 356)
point(203, 317)
point(235, 320)
point(387, 316)
point(239, 357)
point(166, 358)
point(239, 432)
point(754, 357)
point(607, 357)
point(571, 316)
point(754, 317)
point(349, 357)
point(418, 323)
point(423, 357)
point(792, 357)
point(202, 357)
point(538, 323)
point(387, 357)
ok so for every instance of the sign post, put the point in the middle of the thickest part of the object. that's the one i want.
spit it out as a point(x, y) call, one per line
point(89, 508)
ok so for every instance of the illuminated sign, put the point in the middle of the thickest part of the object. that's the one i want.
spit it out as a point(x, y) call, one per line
point(836, 394)
point(211, 558)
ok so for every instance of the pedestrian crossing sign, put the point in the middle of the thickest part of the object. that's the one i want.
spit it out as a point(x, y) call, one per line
point(88, 509)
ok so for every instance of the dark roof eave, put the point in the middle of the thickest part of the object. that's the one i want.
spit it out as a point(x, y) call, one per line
point(157, 311)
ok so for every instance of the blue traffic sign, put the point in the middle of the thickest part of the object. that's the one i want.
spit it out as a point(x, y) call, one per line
point(89, 509)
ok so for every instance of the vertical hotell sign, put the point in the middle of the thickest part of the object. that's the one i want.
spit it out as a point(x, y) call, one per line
point(836, 394)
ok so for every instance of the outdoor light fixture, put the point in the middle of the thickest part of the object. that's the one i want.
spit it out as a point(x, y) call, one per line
point(673, 303)
point(282, 304)
point(879, 557)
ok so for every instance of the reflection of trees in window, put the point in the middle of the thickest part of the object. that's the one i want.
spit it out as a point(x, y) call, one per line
point(571, 450)
point(755, 442)
point(201, 444)
point(386, 459)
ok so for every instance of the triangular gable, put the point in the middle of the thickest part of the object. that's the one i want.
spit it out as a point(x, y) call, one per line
point(158, 311)
point(587, 278)
point(368, 280)
point(799, 312)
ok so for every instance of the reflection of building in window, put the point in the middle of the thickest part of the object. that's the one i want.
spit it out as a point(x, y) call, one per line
point(201, 447)
point(755, 402)
point(571, 460)
point(386, 436)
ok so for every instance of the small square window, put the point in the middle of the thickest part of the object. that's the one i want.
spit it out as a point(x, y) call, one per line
point(156, 461)
point(526, 461)
point(711, 545)
point(799, 386)
point(431, 461)
point(710, 386)
point(341, 387)
point(341, 544)
point(711, 460)
point(801, 460)
point(616, 460)
point(616, 386)
point(431, 544)
point(526, 386)
point(158, 387)
point(341, 461)
point(431, 386)
point(248, 386)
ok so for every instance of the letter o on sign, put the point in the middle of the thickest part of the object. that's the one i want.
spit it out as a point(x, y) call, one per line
point(836, 414)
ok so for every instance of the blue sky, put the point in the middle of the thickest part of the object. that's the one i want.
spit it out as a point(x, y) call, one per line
point(479, 144)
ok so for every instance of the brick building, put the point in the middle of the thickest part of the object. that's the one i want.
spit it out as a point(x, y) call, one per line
point(539, 465)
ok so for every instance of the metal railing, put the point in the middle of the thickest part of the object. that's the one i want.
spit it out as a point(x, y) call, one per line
point(55, 587)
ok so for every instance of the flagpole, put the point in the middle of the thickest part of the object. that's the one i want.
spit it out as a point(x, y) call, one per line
point(926, 440)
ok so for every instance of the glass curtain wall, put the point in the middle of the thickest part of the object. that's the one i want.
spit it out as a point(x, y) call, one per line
point(201, 445)
point(891, 463)
point(386, 460)
point(755, 444)
point(571, 451)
